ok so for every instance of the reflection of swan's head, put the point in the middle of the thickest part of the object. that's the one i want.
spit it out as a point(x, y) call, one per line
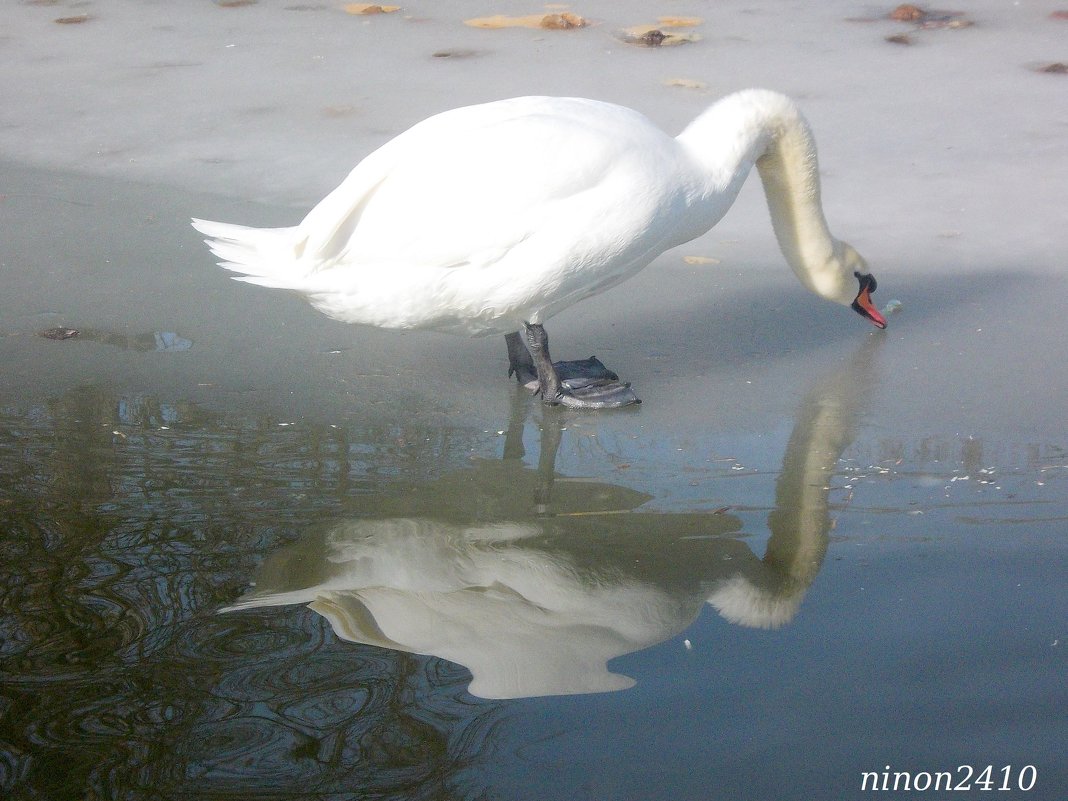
point(738, 600)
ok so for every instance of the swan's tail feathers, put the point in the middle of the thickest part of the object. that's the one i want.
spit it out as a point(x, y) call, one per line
point(264, 256)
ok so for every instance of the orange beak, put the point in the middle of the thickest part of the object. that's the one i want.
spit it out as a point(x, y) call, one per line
point(863, 304)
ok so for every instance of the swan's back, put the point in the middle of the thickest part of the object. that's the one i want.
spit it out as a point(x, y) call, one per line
point(462, 185)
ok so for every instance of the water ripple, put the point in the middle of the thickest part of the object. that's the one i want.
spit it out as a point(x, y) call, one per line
point(125, 524)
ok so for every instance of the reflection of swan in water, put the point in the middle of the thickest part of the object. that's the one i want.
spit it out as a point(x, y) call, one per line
point(538, 604)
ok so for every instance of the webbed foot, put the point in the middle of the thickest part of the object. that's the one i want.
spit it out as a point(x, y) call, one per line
point(579, 384)
point(594, 395)
point(583, 372)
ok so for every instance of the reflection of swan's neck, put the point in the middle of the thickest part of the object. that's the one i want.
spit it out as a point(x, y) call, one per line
point(770, 596)
point(801, 521)
point(767, 129)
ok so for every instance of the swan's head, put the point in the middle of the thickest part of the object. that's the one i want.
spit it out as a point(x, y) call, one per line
point(856, 283)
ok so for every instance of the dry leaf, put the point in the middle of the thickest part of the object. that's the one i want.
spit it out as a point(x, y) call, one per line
point(562, 22)
point(501, 21)
point(651, 36)
point(654, 37)
point(73, 20)
point(369, 8)
point(679, 22)
point(908, 13)
point(930, 19)
point(565, 21)
point(339, 111)
point(458, 53)
point(946, 22)
point(685, 83)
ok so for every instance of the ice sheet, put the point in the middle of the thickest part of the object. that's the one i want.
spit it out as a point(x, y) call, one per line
point(942, 154)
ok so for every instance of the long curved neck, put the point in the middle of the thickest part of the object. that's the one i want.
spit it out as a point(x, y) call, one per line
point(767, 129)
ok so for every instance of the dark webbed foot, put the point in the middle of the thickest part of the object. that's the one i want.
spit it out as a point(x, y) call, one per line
point(582, 384)
point(583, 372)
point(595, 395)
point(572, 374)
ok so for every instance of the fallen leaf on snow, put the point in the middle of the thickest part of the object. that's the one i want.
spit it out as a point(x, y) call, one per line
point(369, 8)
point(556, 22)
point(926, 18)
point(908, 13)
point(679, 22)
point(652, 36)
point(685, 83)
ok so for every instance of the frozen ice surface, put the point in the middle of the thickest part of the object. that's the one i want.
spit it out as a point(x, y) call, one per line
point(942, 154)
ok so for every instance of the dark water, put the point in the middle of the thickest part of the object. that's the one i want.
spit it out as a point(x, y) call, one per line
point(221, 583)
point(930, 638)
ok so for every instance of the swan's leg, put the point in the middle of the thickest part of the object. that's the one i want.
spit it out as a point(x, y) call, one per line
point(591, 393)
point(519, 362)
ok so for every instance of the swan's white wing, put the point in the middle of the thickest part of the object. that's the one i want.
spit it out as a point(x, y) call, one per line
point(467, 186)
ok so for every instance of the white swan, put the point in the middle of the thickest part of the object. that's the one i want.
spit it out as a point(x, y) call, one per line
point(492, 218)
